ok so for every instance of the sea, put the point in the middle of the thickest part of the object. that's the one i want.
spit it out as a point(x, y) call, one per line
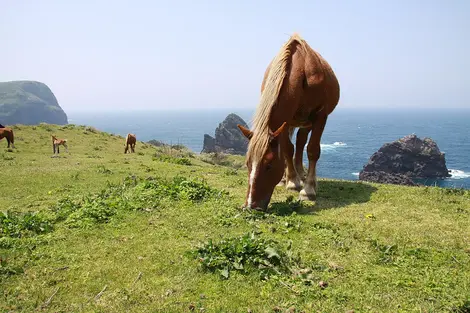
point(350, 137)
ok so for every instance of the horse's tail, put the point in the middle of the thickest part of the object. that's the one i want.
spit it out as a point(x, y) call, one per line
point(272, 88)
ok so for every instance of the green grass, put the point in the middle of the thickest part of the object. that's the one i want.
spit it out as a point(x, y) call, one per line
point(97, 230)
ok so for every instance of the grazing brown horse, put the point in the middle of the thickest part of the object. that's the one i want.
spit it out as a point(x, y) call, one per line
point(299, 90)
point(7, 133)
point(130, 141)
point(58, 142)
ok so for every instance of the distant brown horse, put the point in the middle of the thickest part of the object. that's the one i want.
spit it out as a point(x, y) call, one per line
point(299, 90)
point(130, 141)
point(58, 142)
point(7, 133)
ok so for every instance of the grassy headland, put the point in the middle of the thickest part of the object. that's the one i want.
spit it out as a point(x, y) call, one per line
point(161, 230)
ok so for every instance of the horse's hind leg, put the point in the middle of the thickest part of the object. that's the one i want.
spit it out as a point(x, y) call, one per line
point(132, 148)
point(301, 140)
point(309, 192)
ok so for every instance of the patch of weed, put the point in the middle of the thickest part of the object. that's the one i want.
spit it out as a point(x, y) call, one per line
point(245, 254)
point(92, 211)
point(132, 195)
point(14, 224)
point(171, 159)
point(219, 159)
point(182, 188)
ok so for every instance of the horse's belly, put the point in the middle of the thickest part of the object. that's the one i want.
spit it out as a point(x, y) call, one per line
point(301, 118)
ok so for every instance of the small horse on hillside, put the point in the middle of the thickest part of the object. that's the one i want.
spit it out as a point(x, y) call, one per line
point(58, 142)
point(299, 90)
point(130, 141)
point(7, 133)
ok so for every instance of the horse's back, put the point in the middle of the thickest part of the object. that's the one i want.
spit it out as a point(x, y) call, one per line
point(323, 86)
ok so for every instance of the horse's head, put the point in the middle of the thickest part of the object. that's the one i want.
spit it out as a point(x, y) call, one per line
point(265, 169)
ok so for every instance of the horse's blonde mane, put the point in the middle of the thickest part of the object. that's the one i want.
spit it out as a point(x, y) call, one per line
point(261, 133)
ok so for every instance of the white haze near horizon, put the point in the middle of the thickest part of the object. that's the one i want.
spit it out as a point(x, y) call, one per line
point(160, 55)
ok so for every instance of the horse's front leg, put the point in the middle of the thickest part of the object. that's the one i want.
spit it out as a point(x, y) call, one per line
point(309, 192)
point(301, 140)
point(292, 179)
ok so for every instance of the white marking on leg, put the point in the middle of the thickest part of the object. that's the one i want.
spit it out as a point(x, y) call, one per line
point(252, 179)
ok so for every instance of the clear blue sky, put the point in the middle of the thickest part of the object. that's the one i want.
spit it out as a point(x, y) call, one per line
point(201, 54)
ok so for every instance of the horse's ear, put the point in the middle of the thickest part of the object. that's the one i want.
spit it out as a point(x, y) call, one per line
point(279, 130)
point(246, 132)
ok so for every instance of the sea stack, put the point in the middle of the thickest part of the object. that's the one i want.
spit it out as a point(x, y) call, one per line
point(228, 137)
point(405, 159)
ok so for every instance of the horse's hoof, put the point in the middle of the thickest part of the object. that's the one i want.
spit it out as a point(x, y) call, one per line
point(303, 196)
point(293, 186)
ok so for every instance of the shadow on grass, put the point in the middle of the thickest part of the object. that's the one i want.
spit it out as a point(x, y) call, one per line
point(330, 194)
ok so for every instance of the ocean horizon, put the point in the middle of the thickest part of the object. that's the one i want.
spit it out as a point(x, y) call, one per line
point(350, 137)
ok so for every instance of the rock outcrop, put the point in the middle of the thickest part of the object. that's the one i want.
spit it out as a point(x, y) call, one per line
point(29, 103)
point(403, 160)
point(209, 144)
point(386, 178)
point(228, 137)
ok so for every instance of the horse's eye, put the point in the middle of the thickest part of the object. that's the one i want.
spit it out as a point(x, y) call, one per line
point(268, 167)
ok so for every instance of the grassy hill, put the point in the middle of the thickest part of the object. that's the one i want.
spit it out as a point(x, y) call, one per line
point(29, 102)
point(160, 230)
